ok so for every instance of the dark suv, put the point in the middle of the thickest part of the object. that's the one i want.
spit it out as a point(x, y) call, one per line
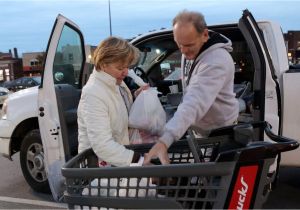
point(22, 83)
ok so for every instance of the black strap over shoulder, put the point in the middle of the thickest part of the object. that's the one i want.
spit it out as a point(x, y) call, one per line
point(191, 69)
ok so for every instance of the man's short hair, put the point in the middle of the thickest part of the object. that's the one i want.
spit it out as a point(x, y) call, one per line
point(196, 18)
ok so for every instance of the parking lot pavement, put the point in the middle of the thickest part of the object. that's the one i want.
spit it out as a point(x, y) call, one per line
point(286, 194)
point(15, 193)
point(17, 203)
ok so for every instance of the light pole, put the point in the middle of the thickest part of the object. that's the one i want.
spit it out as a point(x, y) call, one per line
point(109, 18)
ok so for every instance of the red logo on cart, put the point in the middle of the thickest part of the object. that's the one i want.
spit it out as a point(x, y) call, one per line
point(243, 189)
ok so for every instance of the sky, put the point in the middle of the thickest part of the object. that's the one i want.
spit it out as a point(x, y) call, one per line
point(27, 24)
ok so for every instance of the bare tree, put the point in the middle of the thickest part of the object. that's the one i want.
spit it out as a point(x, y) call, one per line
point(41, 58)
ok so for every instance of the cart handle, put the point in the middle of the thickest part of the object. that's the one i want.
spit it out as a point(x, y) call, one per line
point(283, 143)
point(258, 150)
point(254, 149)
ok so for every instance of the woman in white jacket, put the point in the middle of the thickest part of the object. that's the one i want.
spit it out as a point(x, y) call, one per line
point(104, 104)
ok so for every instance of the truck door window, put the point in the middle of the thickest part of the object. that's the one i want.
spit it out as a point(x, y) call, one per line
point(68, 58)
point(171, 66)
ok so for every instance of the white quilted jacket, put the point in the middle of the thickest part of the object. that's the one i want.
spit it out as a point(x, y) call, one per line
point(103, 120)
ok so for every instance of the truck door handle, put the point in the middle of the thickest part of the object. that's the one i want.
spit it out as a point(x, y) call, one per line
point(53, 133)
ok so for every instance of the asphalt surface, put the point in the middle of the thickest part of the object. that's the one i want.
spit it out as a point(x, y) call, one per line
point(15, 192)
point(287, 193)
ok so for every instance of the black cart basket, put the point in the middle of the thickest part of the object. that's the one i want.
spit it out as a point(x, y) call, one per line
point(226, 170)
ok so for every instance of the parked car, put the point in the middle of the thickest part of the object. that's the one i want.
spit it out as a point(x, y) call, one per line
point(3, 94)
point(45, 129)
point(22, 83)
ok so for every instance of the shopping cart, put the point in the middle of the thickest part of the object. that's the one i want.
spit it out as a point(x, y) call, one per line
point(225, 170)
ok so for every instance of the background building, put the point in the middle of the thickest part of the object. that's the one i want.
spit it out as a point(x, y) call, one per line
point(33, 63)
point(292, 39)
point(10, 66)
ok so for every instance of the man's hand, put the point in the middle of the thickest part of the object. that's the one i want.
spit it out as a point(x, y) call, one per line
point(159, 150)
point(138, 91)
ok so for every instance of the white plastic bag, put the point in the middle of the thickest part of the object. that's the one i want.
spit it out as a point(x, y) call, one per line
point(137, 136)
point(123, 183)
point(135, 184)
point(147, 113)
point(134, 136)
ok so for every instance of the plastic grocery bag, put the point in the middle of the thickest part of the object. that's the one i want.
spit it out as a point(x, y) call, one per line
point(108, 187)
point(147, 113)
point(134, 136)
point(137, 188)
point(137, 136)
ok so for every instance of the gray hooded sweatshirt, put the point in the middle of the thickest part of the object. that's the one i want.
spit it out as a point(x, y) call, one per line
point(208, 101)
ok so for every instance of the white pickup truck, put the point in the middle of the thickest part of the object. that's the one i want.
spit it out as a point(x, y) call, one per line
point(41, 122)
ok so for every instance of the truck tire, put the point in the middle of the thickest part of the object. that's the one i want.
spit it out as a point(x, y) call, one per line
point(32, 162)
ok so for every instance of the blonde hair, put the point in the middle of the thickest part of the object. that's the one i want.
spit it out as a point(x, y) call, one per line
point(115, 50)
point(196, 18)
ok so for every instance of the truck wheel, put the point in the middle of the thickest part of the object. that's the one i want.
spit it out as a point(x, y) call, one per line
point(32, 162)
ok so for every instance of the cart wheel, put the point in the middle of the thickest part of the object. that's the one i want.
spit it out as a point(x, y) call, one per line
point(32, 162)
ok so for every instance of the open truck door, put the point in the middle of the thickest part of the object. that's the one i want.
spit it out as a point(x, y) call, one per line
point(58, 98)
point(291, 114)
point(266, 104)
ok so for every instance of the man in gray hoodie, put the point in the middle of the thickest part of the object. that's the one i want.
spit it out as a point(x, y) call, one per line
point(208, 78)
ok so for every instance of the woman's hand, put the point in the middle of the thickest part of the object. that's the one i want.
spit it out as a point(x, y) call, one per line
point(138, 91)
